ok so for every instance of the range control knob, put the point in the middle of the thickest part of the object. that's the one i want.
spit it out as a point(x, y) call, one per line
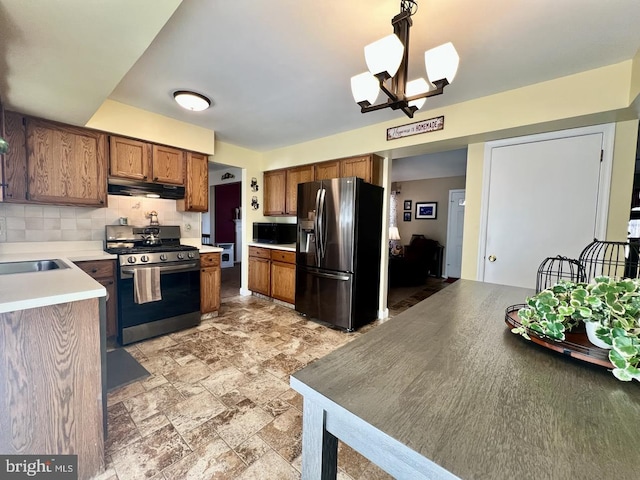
point(145, 258)
point(163, 257)
point(180, 256)
point(131, 259)
point(190, 254)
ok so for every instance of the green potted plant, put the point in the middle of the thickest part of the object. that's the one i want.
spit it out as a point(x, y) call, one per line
point(609, 308)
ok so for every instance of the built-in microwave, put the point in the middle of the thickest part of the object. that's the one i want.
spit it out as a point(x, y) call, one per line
point(280, 233)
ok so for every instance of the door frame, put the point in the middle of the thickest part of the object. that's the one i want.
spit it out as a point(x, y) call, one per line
point(449, 232)
point(604, 184)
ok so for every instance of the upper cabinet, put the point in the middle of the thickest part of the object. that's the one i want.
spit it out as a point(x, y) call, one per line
point(294, 177)
point(281, 186)
point(196, 184)
point(144, 161)
point(129, 158)
point(54, 163)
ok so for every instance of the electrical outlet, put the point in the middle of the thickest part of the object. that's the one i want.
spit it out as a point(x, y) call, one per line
point(3, 229)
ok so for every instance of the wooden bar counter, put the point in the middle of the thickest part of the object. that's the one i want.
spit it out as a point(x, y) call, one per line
point(445, 390)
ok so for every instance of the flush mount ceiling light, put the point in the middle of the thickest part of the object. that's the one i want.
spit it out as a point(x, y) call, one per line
point(387, 61)
point(191, 100)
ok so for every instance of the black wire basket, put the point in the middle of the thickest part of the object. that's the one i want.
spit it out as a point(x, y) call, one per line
point(554, 269)
point(612, 259)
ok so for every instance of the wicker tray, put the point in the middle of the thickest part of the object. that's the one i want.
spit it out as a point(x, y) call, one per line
point(576, 343)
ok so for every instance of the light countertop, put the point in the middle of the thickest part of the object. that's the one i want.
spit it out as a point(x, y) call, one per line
point(289, 247)
point(21, 291)
point(209, 249)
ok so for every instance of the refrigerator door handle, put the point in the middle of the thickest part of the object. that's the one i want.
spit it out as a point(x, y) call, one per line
point(332, 276)
point(316, 236)
point(322, 234)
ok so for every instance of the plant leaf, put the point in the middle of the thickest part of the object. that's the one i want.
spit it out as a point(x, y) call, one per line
point(617, 360)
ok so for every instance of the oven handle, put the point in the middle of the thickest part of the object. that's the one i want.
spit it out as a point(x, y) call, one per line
point(175, 268)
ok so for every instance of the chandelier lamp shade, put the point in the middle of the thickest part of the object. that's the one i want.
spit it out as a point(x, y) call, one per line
point(191, 100)
point(387, 61)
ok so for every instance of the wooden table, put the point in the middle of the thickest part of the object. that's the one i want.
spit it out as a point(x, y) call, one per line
point(444, 390)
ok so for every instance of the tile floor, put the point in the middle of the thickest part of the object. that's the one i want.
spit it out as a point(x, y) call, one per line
point(218, 402)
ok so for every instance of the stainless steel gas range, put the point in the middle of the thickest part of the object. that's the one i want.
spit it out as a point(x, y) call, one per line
point(153, 255)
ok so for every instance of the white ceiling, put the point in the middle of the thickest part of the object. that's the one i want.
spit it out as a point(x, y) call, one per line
point(278, 71)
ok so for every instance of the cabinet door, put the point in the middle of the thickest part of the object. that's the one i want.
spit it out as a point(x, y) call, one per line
point(327, 170)
point(168, 165)
point(112, 307)
point(294, 177)
point(283, 281)
point(197, 184)
point(129, 158)
point(259, 275)
point(103, 271)
point(356, 167)
point(15, 160)
point(66, 165)
point(274, 192)
point(210, 289)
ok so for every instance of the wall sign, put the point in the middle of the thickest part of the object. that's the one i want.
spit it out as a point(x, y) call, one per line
point(416, 128)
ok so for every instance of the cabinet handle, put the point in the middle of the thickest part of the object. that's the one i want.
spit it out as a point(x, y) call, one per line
point(155, 179)
point(101, 202)
point(94, 270)
point(144, 178)
point(110, 282)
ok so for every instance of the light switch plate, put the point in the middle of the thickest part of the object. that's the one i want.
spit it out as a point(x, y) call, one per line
point(3, 229)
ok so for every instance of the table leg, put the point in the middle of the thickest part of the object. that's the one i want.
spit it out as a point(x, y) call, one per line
point(319, 447)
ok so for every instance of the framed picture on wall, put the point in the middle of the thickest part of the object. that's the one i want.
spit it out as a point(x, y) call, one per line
point(407, 204)
point(407, 216)
point(426, 210)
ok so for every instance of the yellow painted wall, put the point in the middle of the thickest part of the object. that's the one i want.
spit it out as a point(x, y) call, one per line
point(134, 122)
point(624, 158)
point(473, 201)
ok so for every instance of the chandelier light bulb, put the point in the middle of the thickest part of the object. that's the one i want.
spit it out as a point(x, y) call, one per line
point(384, 55)
point(191, 100)
point(442, 62)
point(416, 87)
point(365, 87)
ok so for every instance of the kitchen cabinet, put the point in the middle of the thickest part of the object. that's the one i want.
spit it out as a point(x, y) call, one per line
point(272, 272)
point(295, 176)
point(283, 275)
point(260, 270)
point(104, 272)
point(210, 282)
point(52, 163)
point(367, 167)
point(326, 170)
point(196, 184)
point(281, 186)
point(138, 160)
point(274, 197)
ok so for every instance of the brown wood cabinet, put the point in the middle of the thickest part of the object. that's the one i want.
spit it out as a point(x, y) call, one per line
point(295, 176)
point(104, 272)
point(283, 275)
point(196, 184)
point(367, 167)
point(139, 160)
point(260, 270)
point(275, 192)
point(273, 273)
point(53, 163)
point(281, 186)
point(326, 170)
point(210, 282)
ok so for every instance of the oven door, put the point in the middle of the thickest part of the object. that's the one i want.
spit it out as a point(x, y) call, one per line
point(179, 307)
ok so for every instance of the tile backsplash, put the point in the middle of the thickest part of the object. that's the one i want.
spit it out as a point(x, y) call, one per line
point(46, 223)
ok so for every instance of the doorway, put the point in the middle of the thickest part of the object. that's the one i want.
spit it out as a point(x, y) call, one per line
point(226, 200)
point(546, 195)
point(455, 227)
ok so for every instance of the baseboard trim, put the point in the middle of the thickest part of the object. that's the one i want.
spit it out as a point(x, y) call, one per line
point(382, 314)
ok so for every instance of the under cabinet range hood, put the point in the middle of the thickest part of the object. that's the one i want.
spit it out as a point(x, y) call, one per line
point(134, 188)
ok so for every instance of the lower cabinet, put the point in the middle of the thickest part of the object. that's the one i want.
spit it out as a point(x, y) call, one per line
point(209, 282)
point(273, 273)
point(104, 272)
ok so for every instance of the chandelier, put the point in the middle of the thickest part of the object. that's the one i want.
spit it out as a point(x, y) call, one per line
point(387, 60)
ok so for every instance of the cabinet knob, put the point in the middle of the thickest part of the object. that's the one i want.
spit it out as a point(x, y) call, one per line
point(94, 270)
point(155, 179)
point(144, 178)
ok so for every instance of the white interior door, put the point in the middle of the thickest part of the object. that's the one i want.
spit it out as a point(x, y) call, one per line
point(455, 226)
point(543, 201)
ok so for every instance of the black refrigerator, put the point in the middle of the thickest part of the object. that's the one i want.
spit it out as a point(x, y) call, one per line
point(338, 251)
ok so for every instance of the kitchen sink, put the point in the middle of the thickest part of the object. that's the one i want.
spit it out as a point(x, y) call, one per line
point(31, 266)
